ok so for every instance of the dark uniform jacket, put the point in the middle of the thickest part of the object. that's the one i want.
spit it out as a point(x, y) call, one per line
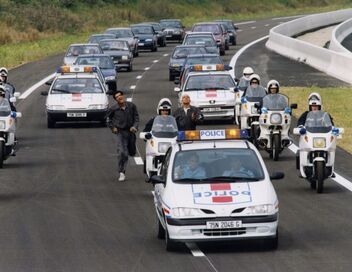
point(185, 121)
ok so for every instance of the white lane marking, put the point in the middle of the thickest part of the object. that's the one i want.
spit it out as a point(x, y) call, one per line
point(287, 17)
point(239, 52)
point(165, 55)
point(155, 61)
point(196, 252)
point(133, 87)
point(239, 30)
point(245, 23)
point(339, 179)
point(267, 25)
point(139, 77)
point(129, 99)
point(146, 68)
point(138, 160)
point(35, 86)
point(253, 27)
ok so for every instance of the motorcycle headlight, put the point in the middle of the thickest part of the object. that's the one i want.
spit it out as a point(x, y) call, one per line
point(55, 107)
point(260, 209)
point(319, 142)
point(186, 212)
point(97, 107)
point(276, 118)
point(110, 78)
point(2, 124)
point(163, 147)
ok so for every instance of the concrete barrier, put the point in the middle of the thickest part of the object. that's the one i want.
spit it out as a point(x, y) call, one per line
point(334, 63)
point(338, 35)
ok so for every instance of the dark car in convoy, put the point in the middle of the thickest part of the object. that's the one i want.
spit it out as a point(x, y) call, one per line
point(205, 39)
point(217, 30)
point(125, 33)
point(231, 30)
point(147, 36)
point(173, 29)
point(178, 57)
point(119, 51)
point(96, 38)
point(159, 33)
point(104, 62)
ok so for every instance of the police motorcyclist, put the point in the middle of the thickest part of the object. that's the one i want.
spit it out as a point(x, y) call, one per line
point(4, 95)
point(255, 89)
point(164, 108)
point(3, 79)
point(244, 80)
point(314, 104)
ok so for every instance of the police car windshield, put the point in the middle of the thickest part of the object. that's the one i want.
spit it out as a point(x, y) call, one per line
point(76, 85)
point(164, 127)
point(183, 52)
point(5, 108)
point(217, 165)
point(101, 62)
point(170, 24)
point(275, 102)
point(114, 45)
point(206, 82)
point(200, 40)
point(77, 50)
point(203, 60)
point(318, 122)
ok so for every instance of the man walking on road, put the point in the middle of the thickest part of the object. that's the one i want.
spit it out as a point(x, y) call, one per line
point(123, 120)
point(187, 116)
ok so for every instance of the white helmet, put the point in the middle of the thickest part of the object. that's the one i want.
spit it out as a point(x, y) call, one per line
point(3, 72)
point(254, 76)
point(248, 71)
point(314, 99)
point(272, 83)
point(164, 104)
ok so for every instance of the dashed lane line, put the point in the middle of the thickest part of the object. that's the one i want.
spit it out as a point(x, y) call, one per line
point(36, 86)
point(155, 61)
point(139, 77)
point(196, 252)
point(165, 55)
point(133, 87)
point(253, 27)
point(146, 68)
point(138, 160)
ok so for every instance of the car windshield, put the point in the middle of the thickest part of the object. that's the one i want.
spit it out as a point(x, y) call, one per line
point(5, 108)
point(142, 30)
point(183, 52)
point(255, 94)
point(77, 50)
point(121, 33)
point(170, 24)
point(76, 86)
point(164, 127)
point(207, 28)
point(318, 122)
point(275, 102)
point(114, 45)
point(157, 27)
point(202, 60)
point(217, 165)
point(209, 82)
point(98, 38)
point(199, 40)
point(101, 62)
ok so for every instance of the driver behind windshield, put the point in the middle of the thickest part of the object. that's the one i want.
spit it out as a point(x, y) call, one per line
point(236, 169)
point(192, 170)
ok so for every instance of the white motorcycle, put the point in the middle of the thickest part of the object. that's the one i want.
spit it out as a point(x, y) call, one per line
point(7, 129)
point(238, 95)
point(275, 122)
point(317, 146)
point(163, 135)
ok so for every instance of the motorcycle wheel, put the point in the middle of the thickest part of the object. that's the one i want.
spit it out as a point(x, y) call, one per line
point(276, 147)
point(319, 174)
point(2, 151)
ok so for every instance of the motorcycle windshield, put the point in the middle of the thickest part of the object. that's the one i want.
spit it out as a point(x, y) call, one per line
point(164, 127)
point(255, 94)
point(276, 102)
point(318, 122)
point(5, 109)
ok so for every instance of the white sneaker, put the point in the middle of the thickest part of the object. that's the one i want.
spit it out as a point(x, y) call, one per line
point(122, 177)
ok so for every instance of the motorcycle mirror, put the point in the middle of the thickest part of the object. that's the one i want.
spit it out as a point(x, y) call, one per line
point(16, 94)
point(257, 105)
point(177, 81)
point(296, 131)
point(177, 89)
point(13, 99)
point(148, 136)
point(18, 114)
point(45, 93)
point(293, 106)
point(49, 82)
point(277, 175)
point(157, 179)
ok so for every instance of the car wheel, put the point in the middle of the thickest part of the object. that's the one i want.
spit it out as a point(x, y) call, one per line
point(171, 77)
point(161, 230)
point(227, 46)
point(222, 52)
point(170, 244)
point(137, 52)
point(273, 243)
point(234, 42)
point(129, 69)
point(50, 122)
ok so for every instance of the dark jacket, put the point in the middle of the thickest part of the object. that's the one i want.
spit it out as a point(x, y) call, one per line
point(123, 119)
point(148, 126)
point(302, 119)
point(185, 121)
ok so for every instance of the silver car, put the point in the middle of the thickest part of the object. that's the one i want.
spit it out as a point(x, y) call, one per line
point(126, 34)
point(75, 50)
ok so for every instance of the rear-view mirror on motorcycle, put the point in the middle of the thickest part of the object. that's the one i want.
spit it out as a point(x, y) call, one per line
point(17, 94)
point(13, 99)
point(277, 175)
point(293, 106)
point(18, 114)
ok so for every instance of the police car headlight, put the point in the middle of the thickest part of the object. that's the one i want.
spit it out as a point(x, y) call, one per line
point(276, 118)
point(186, 212)
point(55, 107)
point(148, 40)
point(163, 147)
point(110, 78)
point(97, 107)
point(319, 142)
point(260, 209)
point(2, 124)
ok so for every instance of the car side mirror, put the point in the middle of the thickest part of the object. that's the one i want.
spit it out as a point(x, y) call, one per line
point(236, 27)
point(157, 180)
point(13, 99)
point(49, 82)
point(293, 106)
point(277, 175)
point(177, 89)
point(17, 94)
point(44, 93)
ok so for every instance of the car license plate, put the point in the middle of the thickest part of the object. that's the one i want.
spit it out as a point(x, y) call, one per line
point(211, 109)
point(168, 36)
point(76, 114)
point(224, 224)
point(140, 44)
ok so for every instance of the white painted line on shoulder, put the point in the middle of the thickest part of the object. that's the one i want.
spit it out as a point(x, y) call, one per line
point(196, 252)
point(339, 179)
point(155, 61)
point(239, 30)
point(138, 160)
point(245, 23)
point(287, 17)
point(146, 68)
point(239, 52)
point(253, 27)
point(139, 77)
point(129, 99)
point(133, 87)
point(165, 55)
point(36, 86)
point(267, 25)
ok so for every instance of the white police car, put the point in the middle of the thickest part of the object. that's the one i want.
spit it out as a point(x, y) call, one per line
point(76, 94)
point(213, 186)
point(211, 89)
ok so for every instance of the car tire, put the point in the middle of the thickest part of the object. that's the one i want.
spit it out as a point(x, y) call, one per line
point(227, 47)
point(136, 53)
point(170, 244)
point(234, 42)
point(171, 77)
point(161, 230)
point(273, 243)
point(130, 68)
point(222, 52)
point(50, 122)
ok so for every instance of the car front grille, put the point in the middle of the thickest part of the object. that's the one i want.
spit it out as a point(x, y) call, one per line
point(224, 232)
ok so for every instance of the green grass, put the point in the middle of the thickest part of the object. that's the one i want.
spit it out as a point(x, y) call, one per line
point(336, 101)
